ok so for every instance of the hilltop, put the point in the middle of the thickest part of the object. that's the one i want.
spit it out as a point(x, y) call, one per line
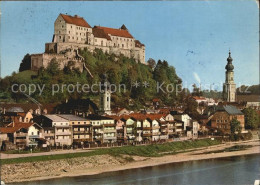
point(119, 70)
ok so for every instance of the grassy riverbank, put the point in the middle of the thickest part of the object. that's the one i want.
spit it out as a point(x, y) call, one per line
point(155, 150)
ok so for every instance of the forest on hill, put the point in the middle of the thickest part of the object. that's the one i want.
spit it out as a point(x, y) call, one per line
point(141, 81)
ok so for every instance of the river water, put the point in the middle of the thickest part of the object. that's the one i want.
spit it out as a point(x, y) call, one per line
point(230, 170)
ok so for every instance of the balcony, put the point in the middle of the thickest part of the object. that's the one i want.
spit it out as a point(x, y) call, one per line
point(147, 128)
point(62, 133)
point(110, 137)
point(20, 140)
point(34, 136)
point(156, 133)
point(109, 130)
point(110, 125)
point(81, 132)
point(178, 124)
point(48, 134)
point(21, 134)
point(147, 134)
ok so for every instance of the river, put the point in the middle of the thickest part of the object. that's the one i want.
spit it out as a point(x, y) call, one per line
point(231, 170)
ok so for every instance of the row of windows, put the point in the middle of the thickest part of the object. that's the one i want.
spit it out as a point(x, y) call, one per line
point(222, 126)
point(61, 124)
point(124, 39)
point(78, 122)
point(221, 121)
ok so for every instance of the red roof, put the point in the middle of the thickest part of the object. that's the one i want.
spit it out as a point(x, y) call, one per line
point(76, 20)
point(100, 33)
point(138, 44)
point(13, 127)
point(116, 32)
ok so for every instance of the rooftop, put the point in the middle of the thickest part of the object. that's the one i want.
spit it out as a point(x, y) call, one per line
point(76, 20)
point(115, 32)
point(71, 117)
point(55, 118)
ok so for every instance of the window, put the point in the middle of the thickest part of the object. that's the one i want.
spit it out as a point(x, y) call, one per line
point(60, 123)
point(71, 27)
point(78, 122)
point(32, 133)
point(85, 123)
point(72, 123)
point(69, 37)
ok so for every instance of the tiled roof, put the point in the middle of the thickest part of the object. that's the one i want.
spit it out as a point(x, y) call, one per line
point(13, 127)
point(116, 32)
point(100, 33)
point(232, 110)
point(138, 44)
point(71, 117)
point(76, 20)
point(55, 118)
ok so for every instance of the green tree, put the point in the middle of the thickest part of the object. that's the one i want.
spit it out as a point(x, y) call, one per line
point(235, 129)
point(26, 63)
point(252, 120)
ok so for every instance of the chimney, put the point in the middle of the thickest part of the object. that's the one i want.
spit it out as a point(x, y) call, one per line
point(77, 16)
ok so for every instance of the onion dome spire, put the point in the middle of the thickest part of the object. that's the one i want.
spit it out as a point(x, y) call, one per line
point(229, 66)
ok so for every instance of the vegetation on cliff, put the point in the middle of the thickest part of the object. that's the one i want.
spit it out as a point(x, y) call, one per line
point(119, 69)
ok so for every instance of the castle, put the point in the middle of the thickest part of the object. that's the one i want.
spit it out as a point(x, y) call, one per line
point(72, 33)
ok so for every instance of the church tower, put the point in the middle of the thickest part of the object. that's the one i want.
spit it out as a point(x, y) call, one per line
point(229, 87)
point(105, 98)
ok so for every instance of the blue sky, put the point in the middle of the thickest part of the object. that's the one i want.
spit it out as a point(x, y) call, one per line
point(193, 36)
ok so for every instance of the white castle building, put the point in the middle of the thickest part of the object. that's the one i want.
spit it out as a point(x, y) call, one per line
point(72, 33)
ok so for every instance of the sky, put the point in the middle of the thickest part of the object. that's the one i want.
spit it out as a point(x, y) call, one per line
point(193, 36)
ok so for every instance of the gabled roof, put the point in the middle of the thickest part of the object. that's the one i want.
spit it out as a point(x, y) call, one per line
point(100, 33)
point(76, 20)
point(13, 127)
point(116, 32)
point(138, 44)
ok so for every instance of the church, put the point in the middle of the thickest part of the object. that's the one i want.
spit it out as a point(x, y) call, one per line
point(229, 87)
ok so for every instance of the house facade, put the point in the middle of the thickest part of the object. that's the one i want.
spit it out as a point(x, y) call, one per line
point(224, 115)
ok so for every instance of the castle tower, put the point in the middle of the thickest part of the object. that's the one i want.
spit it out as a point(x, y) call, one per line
point(105, 98)
point(229, 87)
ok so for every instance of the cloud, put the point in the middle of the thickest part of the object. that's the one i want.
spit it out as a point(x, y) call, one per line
point(196, 76)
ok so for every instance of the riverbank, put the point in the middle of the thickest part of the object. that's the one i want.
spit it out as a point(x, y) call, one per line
point(91, 165)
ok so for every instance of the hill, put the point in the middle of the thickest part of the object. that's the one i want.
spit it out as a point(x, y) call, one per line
point(120, 71)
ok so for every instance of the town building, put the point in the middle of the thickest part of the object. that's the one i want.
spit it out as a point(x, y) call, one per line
point(229, 87)
point(104, 129)
point(81, 129)
point(224, 115)
point(56, 128)
point(22, 135)
point(72, 33)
